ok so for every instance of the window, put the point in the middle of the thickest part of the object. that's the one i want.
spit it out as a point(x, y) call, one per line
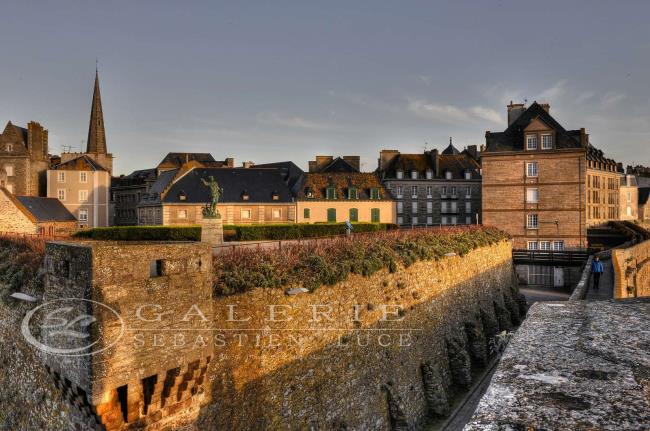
point(9, 169)
point(10, 148)
point(531, 142)
point(429, 207)
point(532, 196)
point(83, 177)
point(414, 175)
point(443, 207)
point(414, 207)
point(468, 175)
point(275, 196)
point(375, 215)
point(468, 220)
point(558, 245)
point(353, 215)
point(400, 191)
point(400, 174)
point(532, 221)
point(400, 220)
point(443, 191)
point(61, 177)
point(429, 174)
point(182, 214)
point(629, 196)
point(531, 169)
point(448, 175)
point(353, 193)
point(629, 211)
point(468, 207)
point(400, 207)
point(454, 220)
point(443, 220)
point(60, 193)
point(429, 191)
point(468, 192)
point(331, 215)
point(83, 195)
point(374, 193)
point(454, 207)
point(414, 191)
point(532, 245)
point(276, 213)
point(453, 191)
point(331, 193)
point(83, 215)
point(246, 214)
point(306, 213)
point(545, 245)
point(547, 141)
point(155, 268)
point(429, 220)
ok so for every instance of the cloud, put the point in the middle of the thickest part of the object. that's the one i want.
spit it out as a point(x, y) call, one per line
point(612, 98)
point(290, 121)
point(453, 114)
point(552, 93)
point(425, 79)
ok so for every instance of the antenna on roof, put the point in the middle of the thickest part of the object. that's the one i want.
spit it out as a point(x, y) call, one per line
point(525, 102)
point(426, 146)
point(450, 141)
point(67, 148)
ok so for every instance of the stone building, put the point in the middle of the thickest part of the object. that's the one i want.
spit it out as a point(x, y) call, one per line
point(603, 184)
point(250, 195)
point(534, 180)
point(96, 147)
point(642, 174)
point(335, 191)
point(34, 215)
point(24, 159)
point(126, 192)
point(83, 186)
point(628, 198)
point(433, 188)
point(644, 203)
point(177, 160)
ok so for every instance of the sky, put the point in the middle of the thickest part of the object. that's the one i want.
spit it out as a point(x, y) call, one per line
point(286, 80)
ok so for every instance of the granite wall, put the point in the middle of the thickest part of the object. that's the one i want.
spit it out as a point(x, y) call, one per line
point(632, 271)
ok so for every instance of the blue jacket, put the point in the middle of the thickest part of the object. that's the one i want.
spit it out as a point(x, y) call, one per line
point(596, 266)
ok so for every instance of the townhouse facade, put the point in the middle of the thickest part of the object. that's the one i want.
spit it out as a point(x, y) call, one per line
point(24, 159)
point(433, 188)
point(534, 180)
point(628, 198)
point(603, 188)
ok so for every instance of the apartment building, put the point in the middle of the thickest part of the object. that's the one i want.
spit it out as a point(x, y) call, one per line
point(628, 198)
point(534, 180)
point(433, 188)
point(603, 188)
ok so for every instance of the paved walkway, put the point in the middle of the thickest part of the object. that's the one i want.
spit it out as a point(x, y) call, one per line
point(606, 289)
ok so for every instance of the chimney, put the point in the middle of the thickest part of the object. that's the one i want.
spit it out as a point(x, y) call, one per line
point(385, 157)
point(230, 162)
point(473, 151)
point(514, 111)
point(545, 106)
point(619, 167)
point(435, 158)
point(247, 165)
point(584, 138)
point(354, 161)
point(319, 163)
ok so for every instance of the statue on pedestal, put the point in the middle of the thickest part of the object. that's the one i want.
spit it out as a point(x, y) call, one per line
point(210, 209)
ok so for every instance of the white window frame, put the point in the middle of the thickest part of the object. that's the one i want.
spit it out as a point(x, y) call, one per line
point(246, 211)
point(83, 195)
point(9, 169)
point(400, 207)
point(429, 207)
point(181, 214)
point(468, 175)
point(60, 177)
point(468, 207)
point(532, 170)
point(400, 220)
point(414, 220)
point(448, 175)
point(429, 174)
point(443, 220)
point(454, 191)
point(531, 142)
point(85, 212)
point(60, 194)
point(429, 220)
point(414, 175)
point(400, 174)
point(276, 213)
point(414, 191)
point(558, 245)
point(529, 198)
point(414, 207)
point(443, 207)
point(545, 245)
point(83, 177)
point(532, 221)
point(532, 245)
point(468, 192)
point(443, 191)
point(454, 220)
point(400, 191)
point(547, 144)
point(429, 191)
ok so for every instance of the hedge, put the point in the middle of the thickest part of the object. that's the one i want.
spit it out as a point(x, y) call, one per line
point(255, 232)
point(142, 233)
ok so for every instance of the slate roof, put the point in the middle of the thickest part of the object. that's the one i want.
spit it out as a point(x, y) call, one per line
point(596, 155)
point(458, 163)
point(316, 184)
point(178, 159)
point(338, 165)
point(644, 193)
point(259, 183)
point(289, 170)
point(512, 139)
point(450, 150)
point(81, 163)
point(46, 209)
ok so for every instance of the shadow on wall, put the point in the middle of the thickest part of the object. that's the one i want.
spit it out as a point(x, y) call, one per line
point(359, 381)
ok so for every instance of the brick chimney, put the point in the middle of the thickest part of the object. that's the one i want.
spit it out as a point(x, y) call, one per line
point(514, 111)
point(545, 106)
point(473, 151)
point(385, 157)
point(230, 162)
point(584, 138)
point(248, 164)
point(320, 163)
point(354, 161)
point(435, 159)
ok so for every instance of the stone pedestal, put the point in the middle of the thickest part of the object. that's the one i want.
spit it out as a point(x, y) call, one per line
point(212, 231)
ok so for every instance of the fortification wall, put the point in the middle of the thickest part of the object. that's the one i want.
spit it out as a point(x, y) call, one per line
point(359, 369)
point(632, 271)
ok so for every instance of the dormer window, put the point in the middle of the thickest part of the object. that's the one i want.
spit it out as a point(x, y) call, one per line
point(245, 196)
point(547, 141)
point(309, 192)
point(414, 175)
point(531, 142)
point(275, 196)
point(468, 175)
point(400, 174)
point(330, 193)
point(448, 175)
point(429, 174)
point(353, 193)
point(374, 193)
point(182, 196)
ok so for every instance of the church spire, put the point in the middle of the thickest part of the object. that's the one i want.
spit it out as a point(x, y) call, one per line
point(96, 135)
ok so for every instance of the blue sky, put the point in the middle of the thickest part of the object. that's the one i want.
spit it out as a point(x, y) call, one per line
point(286, 80)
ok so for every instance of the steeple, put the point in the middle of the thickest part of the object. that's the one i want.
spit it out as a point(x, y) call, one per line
point(96, 135)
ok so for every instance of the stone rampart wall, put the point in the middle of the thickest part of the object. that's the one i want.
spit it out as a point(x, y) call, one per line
point(632, 270)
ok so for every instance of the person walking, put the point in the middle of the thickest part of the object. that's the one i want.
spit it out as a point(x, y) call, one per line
point(596, 270)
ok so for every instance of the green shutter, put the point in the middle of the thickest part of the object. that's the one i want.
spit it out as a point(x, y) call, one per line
point(374, 193)
point(331, 215)
point(354, 215)
point(374, 215)
point(305, 213)
point(352, 193)
point(331, 193)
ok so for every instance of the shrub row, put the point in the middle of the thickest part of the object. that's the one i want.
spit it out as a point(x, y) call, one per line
point(142, 233)
point(326, 262)
point(297, 230)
